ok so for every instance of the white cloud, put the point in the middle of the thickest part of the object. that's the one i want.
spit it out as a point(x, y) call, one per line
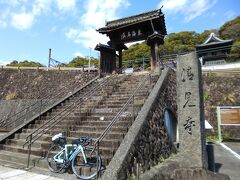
point(189, 8)
point(4, 18)
point(87, 37)
point(78, 54)
point(66, 5)
point(12, 3)
point(41, 6)
point(53, 29)
point(95, 16)
point(22, 14)
point(22, 21)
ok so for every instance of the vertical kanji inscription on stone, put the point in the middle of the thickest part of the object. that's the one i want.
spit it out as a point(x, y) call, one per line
point(190, 110)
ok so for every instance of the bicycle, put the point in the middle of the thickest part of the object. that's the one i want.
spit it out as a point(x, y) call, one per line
point(85, 161)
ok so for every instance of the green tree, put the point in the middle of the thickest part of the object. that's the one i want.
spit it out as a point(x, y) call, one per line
point(25, 63)
point(235, 52)
point(82, 62)
point(231, 29)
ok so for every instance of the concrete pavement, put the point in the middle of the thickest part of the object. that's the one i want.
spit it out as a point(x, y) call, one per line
point(7, 173)
point(227, 162)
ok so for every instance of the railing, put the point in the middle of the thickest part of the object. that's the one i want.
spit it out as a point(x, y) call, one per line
point(130, 102)
point(40, 131)
point(47, 68)
point(34, 108)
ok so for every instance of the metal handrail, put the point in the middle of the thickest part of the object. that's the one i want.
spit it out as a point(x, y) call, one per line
point(114, 120)
point(5, 122)
point(39, 132)
point(70, 107)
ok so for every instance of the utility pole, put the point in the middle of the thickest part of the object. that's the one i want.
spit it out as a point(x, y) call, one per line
point(89, 61)
point(49, 57)
point(143, 63)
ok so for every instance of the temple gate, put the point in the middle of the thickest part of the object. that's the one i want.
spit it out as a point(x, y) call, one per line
point(148, 26)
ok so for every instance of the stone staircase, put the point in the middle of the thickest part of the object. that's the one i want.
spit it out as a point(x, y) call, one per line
point(95, 113)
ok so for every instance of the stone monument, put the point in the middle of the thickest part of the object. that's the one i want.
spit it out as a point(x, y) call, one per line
point(191, 111)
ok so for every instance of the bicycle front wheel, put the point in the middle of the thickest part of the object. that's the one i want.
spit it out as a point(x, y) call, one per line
point(55, 165)
point(86, 169)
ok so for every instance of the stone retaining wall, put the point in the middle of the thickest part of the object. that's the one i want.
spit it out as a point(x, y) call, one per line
point(221, 90)
point(27, 92)
point(37, 84)
point(18, 111)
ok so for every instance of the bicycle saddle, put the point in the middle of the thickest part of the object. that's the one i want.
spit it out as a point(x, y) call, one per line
point(82, 140)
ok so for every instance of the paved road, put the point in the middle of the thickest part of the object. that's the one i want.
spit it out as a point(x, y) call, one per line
point(225, 161)
point(7, 173)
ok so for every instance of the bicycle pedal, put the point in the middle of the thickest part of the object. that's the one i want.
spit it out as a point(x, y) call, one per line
point(102, 168)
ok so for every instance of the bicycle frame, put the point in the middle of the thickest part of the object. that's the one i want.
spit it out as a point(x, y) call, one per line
point(78, 149)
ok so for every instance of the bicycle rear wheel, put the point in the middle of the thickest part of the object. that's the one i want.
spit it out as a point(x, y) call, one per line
point(86, 170)
point(54, 165)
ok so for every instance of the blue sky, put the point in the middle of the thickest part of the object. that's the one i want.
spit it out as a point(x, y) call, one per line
point(28, 28)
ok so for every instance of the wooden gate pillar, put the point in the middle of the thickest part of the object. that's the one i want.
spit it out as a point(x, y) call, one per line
point(154, 41)
point(107, 58)
point(120, 59)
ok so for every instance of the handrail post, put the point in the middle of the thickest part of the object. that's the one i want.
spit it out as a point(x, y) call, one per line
point(80, 114)
point(98, 160)
point(40, 111)
point(150, 82)
point(29, 150)
point(133, 109)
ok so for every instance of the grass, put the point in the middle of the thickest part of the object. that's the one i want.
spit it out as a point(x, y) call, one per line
point(212, 138)
point(11, 96)
point(206, 96)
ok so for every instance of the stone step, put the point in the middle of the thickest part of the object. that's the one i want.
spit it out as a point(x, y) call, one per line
point(124, 117)
point(78, 117)
point(110, 135)
point(98, 122)
point(96, 108)
point(101, 105)
point(87, 100)
point(20, 159)
point(120, 94)
point(36, 144)
point(100, 114)
point(93, 135)
point(99, 129)
point(111, 102)
point(46, 144)
point(41, 152)
point(19, 149)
